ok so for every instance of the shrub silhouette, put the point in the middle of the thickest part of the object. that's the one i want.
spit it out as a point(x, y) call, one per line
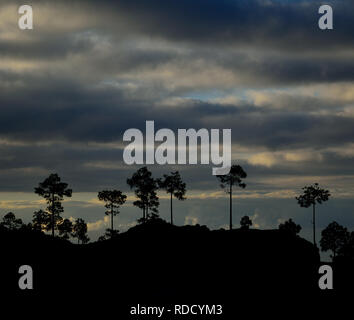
point(10, 222)
point(245, 222)
point(290, 226)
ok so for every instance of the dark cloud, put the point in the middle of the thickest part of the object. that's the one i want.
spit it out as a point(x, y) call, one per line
point(48, 108)
point(45, 47)
point(290, 25)
point(82, 81)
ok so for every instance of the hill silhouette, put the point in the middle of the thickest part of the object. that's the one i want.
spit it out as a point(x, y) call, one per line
point(156, 262)
point(159, 260)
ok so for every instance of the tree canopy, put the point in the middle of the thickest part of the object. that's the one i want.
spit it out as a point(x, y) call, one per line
point(53, 191)
point(290, 226)
point(334, 238)
point(173, 185)
point(113, 199)
point(145, 187)
point(10, 222)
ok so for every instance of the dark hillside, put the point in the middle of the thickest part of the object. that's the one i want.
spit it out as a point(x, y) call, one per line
point(159, 261)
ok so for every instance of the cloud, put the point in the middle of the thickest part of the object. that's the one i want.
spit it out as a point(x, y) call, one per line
point(289, 26)
point(99, 224)
point(264, 159)
point(190, 220)
point(20, 204)
point(269, 159)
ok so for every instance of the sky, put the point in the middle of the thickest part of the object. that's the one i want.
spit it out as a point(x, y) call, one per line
point(89, 70)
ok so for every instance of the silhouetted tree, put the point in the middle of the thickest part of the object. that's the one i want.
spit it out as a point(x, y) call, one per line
point(113, 200)
point(173, 185)
point(290, 226)
point(234, 177)
point(80, 231)
point(65, 229)
point(347, 250)
point(53, 191)
point(245, 222)
point(10, 222)
point(334, 237)
point(311, 195)
point(145, 190)
point(41, 220)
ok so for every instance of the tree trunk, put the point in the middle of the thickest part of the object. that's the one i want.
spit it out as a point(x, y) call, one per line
point(52, 214)
point(171, 210)
point(314, 224)
point(112, 218)
point(230, 206)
